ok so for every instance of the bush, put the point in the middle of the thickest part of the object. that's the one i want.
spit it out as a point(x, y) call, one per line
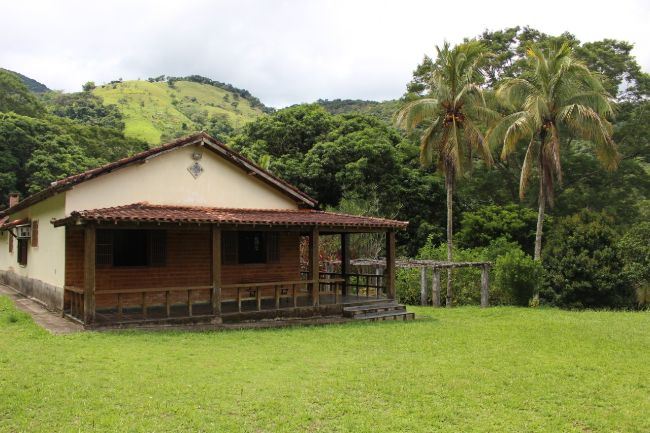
point(583, 264)
point(634, 247)
point(517, 277)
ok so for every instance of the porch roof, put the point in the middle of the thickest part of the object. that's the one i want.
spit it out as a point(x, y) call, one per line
point(152, 213)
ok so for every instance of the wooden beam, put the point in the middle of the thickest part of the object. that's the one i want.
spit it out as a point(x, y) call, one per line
point(345, 261)
point(89, 274)
point(314, 246)
point(485, 281)
point(390, 264)
point(423, 286)
point(435, 287)
point(216, 270)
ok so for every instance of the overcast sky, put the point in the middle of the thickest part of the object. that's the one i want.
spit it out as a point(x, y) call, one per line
point(283, 52)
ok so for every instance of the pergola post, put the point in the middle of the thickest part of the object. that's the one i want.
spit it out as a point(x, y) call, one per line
point(423, 286)
point(485, 281)
point(435, 287)
point(89, 274)
point(314, 265)
point(216, 270)
point(345, 261)
point(390, 264)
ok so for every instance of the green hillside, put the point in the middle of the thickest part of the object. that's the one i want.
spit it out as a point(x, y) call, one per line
point(383, 110)
point(157, 111)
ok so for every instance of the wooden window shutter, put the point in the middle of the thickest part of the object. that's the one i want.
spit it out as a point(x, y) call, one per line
point(35, 233)
point(11, 243)
point(229, 247)
point(104, 247)
point(158, 248)
point(273, 246)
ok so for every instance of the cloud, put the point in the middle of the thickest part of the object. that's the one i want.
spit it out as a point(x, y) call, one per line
point(284, 52)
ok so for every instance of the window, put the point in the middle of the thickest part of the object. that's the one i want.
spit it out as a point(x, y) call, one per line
point(131, 247)
point(252, 247)
point(35, 233)
point(247, 247)
point(23, 244)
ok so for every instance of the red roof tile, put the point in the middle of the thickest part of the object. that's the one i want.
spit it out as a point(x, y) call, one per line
point(144, 212)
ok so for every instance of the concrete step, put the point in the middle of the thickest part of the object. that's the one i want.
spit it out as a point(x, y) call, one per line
point(386, 315)
point(378, 311)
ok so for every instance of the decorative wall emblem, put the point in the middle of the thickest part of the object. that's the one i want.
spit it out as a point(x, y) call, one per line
point(195, 169)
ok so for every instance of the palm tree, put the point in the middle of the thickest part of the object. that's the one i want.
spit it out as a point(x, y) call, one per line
point(557, 94)
point(450, 114)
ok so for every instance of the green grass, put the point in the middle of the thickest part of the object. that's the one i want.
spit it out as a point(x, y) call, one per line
point(150, 113)
point(464, 370)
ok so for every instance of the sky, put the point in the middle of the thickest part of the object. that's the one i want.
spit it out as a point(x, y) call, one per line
point(283, 52)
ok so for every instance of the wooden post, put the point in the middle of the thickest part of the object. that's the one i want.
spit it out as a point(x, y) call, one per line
point(423, 286)
point(345, 261)
point(216, 270)
point(89, 274)
point(390, 264)
point(313, 263)
point(435, 287)
point(485, 281)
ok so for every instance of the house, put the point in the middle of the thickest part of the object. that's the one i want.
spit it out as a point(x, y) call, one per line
point(188, 231)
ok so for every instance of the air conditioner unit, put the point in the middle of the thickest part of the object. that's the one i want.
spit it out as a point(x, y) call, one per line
point(24, 232)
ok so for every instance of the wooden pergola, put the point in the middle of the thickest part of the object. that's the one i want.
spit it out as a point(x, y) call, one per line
point(435, 267)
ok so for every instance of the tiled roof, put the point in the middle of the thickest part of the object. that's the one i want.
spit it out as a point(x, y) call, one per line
point(200, 138)
point(150, 213)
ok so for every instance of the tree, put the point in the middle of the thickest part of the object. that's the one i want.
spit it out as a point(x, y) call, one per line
point(88, 86)
point(451, 113)
point(16, 97)
point(556, 94)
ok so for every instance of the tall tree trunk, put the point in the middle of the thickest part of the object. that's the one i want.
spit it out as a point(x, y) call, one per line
point(449, 184)
point(540, 215)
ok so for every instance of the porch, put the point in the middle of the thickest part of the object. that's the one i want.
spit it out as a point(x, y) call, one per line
point(196, 271)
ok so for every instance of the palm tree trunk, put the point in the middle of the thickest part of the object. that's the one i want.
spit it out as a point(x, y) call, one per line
point(540, 216)
point(449, 184)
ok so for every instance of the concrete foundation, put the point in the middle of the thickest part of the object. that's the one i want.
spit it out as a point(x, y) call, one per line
point(49, 295)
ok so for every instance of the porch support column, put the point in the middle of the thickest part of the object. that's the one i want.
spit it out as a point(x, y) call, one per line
point(89, 274)
point(390, 264)
point(345, 261)
point(314, 242)
point(216, 270)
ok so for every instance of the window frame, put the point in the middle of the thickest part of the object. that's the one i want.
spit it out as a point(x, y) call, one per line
point(155, 255)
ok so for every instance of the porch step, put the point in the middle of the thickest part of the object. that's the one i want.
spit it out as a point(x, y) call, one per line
point(378, 311)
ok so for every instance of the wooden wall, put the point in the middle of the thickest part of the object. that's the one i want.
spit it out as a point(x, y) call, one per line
point(188, 264)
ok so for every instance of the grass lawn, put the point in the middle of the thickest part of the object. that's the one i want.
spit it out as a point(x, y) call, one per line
point(464, 370)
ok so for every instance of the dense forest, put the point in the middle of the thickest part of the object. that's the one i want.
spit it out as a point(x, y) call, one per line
point(352, 156)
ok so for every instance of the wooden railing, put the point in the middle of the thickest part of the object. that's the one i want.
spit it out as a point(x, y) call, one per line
point(157, 302)
point(74, 305)
point(357, 284)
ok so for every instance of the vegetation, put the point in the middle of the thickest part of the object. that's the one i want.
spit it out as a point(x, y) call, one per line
point(157, 111)
point(451, 114)
point(565, 371)
point(347, 154)
point(554, 93)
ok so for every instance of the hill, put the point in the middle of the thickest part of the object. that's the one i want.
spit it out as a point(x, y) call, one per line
point(32, 84)
point(160, 110)
point(383, 110)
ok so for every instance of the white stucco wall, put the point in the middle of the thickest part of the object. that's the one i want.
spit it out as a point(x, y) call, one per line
point(46, 262)
point(165, 179)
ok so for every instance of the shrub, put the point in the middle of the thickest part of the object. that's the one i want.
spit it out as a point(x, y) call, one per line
point(517, 277)
point(634, 247)
point(583, 265)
